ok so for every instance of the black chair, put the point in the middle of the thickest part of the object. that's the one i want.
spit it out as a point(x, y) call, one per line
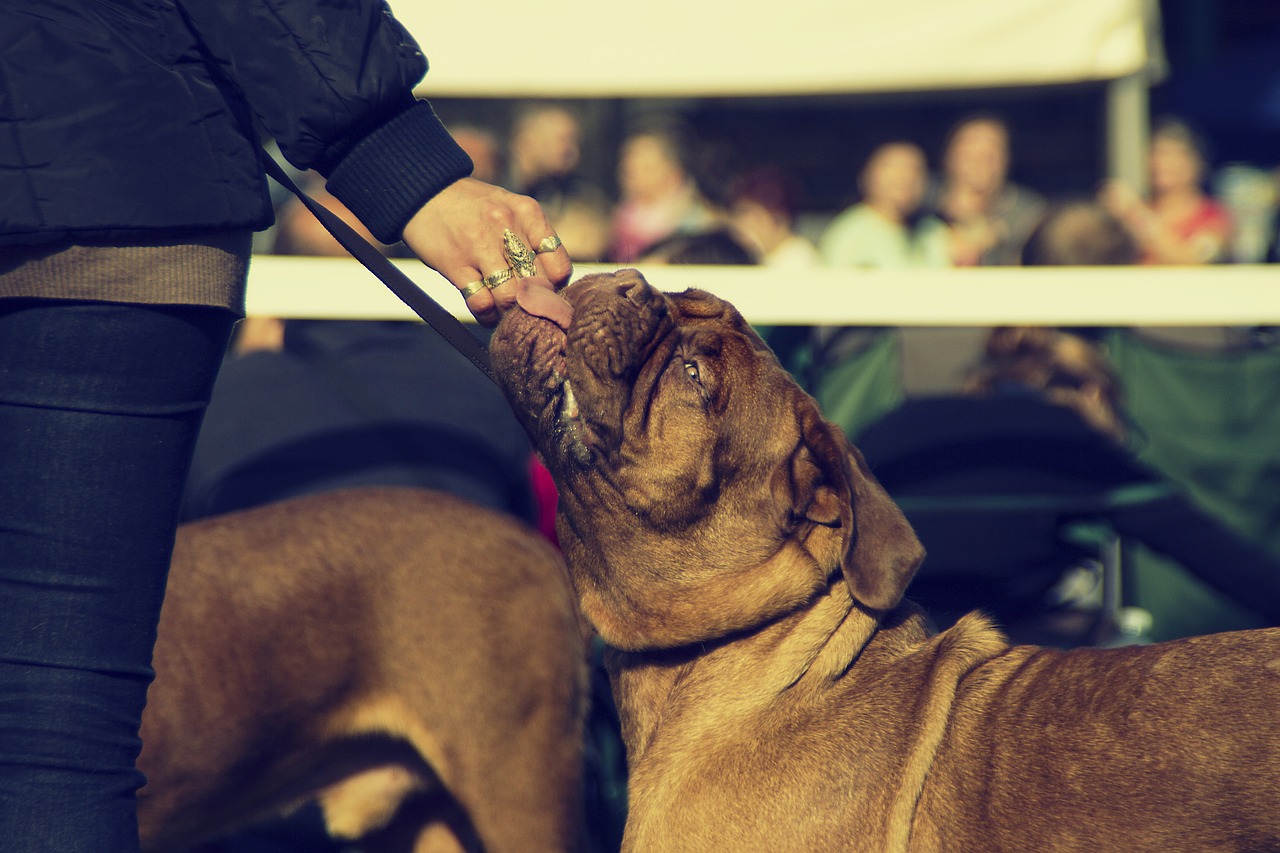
point(1013, 500)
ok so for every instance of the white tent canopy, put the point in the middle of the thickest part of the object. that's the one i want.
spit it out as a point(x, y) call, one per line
point(693, 48)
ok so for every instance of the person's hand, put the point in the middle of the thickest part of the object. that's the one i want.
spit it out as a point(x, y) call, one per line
point(1126, 205)
point(458, 233)
point(1120, 200)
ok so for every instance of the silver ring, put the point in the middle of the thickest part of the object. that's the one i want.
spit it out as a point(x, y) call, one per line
point(548, 244)
point(496, 279)
point(518, 254)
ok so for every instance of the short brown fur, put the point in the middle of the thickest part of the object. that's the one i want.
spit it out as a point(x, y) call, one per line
point(411, 661)
point(776, 692)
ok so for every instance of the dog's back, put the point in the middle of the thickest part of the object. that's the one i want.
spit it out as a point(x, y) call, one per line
point(1176, 744)
point(364, 648)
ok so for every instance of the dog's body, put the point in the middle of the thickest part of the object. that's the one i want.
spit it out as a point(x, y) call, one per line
point(410, 660)
point(776, 693)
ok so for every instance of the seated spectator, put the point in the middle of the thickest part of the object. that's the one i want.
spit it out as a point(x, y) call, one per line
point(1251, 196)
point(762, 207)
point(1042, 416)
point(1182, 223)
point(1079, 233)
point(545, 153)
point(713, 247)
point(886, 230)
point(989, 216)
point(483, 148)
point(659, 193)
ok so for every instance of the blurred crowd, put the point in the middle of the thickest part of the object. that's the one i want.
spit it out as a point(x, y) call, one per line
point(677, 200)
point(964, 210)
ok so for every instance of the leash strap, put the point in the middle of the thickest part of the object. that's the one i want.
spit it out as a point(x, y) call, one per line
point(447, 325)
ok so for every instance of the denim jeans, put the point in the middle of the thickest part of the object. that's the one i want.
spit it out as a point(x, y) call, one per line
point(100, 404)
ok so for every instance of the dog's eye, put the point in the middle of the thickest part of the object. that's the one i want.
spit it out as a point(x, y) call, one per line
point(691, 370)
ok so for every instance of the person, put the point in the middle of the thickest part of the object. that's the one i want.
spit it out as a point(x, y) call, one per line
point(660, 196)
point(1182, 224)
point(856, 373)
point(989, 216)
point(1043, 414)
point(762, 208)
point(484, 149)
point(545, 154)
point(1078, 232)
point(134, 184)
point(546, 148)
point(713, 246)
point(886, 230)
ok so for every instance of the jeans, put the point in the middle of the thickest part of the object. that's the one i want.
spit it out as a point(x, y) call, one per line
point(100, 404)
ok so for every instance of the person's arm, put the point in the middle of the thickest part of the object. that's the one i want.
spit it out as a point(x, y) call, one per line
point(333, 84)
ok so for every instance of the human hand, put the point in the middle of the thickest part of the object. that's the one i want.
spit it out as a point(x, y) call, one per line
point(1120, 199)
point(1126, 205)
point(459, 232)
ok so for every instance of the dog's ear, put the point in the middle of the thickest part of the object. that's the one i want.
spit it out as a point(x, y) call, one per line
point(855, 524)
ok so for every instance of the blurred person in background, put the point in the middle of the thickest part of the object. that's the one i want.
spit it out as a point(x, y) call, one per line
point(659, 192)
point(990, 217)
point(714, 246)
point(1043, 414)
point(762, 207)
point(545, 151)
point(1181, 223)
point(1079, 233)
point(484, 149)
point(126, 243)
point(886, 229)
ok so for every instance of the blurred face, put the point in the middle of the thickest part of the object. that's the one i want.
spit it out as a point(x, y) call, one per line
point(549, 144)
point(647, 170)
point(1175, 165)
point(484, 154)
point(894, 179)
point(978, 157)
point(757, 225)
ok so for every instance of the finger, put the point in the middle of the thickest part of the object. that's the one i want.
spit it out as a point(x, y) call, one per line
point(556, 266)
point(533, 227)
point(478, 296)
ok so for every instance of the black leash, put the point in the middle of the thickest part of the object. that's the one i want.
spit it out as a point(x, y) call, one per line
point(449, 326)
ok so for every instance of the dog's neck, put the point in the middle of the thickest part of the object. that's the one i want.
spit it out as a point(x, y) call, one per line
point(805, 650)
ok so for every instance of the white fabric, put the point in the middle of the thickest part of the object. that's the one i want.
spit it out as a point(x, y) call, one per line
point(663, 48)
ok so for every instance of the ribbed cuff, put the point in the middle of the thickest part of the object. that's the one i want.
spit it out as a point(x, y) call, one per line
point(391, 173)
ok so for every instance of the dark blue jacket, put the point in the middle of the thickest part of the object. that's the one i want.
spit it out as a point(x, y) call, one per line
point(129, 116)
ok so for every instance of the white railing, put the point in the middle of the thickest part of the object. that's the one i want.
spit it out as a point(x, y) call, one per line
point(1078, 296)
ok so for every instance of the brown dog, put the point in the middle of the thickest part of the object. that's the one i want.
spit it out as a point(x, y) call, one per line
point(775, 692)
point(410, 660)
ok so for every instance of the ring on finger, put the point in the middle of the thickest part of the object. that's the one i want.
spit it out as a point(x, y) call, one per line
point(496, 279)
point(518, 254)
point(548, 244)
point(472, 289)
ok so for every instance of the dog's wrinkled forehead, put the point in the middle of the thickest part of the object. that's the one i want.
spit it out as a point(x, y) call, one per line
point(698, 305)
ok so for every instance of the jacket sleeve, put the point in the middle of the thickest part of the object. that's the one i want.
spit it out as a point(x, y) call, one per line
point(332, 83)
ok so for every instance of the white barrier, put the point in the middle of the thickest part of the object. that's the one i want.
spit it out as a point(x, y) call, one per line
point(332, 288)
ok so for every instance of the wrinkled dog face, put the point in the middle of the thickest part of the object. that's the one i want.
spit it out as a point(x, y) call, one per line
point(701, 491)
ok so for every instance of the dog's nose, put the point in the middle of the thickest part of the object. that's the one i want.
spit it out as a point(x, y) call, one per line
point(632, 287)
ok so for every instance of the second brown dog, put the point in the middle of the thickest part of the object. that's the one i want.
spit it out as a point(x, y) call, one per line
point(407, 659)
